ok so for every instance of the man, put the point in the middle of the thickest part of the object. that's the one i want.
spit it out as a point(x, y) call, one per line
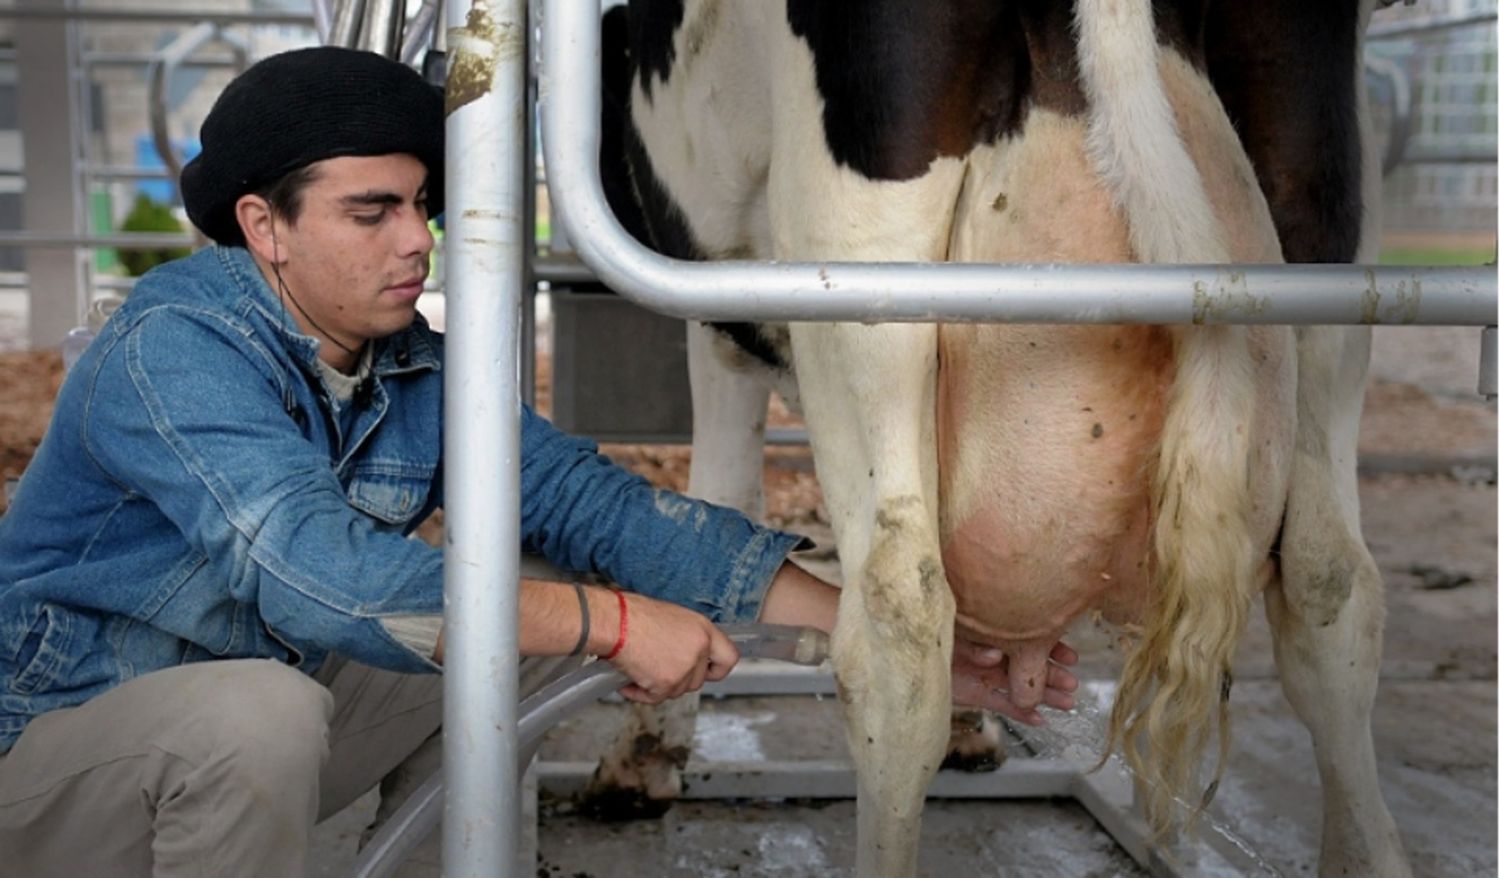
point(213, 631)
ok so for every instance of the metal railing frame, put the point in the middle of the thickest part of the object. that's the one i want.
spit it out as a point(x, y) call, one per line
point(481, 565)
point(888, 292)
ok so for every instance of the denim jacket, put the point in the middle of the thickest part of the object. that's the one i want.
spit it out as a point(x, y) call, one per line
point(196, 497)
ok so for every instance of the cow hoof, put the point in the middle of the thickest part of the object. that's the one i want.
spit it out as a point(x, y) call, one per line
point(974, 742)
point(641, 788)
point(619, 805)
point(644, 792)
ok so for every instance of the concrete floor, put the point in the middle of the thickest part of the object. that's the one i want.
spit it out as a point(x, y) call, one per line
point(1434, 724)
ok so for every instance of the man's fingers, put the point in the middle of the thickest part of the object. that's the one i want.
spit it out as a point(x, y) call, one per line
point(1059, 700)
point(695, 680)
point(722, 655)
point(991, 688)
point(981, 656)
point(633, 692)
point(977, 654)
point(1029, 717)
point(999, 701)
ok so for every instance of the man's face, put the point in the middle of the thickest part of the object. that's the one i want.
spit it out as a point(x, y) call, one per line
point(356, 257)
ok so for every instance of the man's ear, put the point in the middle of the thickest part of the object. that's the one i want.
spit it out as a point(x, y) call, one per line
point(257, 221)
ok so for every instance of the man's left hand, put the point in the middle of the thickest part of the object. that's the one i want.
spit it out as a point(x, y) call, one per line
point(981, 678)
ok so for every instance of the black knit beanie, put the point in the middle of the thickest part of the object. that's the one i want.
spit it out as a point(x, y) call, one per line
point(303, 106)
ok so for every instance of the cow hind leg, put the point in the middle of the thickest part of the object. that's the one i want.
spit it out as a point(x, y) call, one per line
point(1327, 611)
point(639, 776)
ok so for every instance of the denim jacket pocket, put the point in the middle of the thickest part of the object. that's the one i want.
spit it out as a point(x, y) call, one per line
point(390, 493)
point(42, 649)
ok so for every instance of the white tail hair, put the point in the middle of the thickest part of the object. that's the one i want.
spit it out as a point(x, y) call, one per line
point(1178, 674)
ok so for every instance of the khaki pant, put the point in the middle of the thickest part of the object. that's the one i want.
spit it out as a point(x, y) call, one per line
point(211, 769)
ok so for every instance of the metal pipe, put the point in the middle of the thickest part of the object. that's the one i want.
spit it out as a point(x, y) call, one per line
point(381, 32)
point(122, 240)
point(323, 16)
point(563, 270)
point(159, 75)
point(143, 59)
point(440, 30)
point(1487, 363)
point(1399, 131)
point(435, 62)
point(122, 172)
point(528, 219)
point(166, 16)
point(551, 705)
point(346, 23)
point(1447, 155)
point(1399, 29)
point(419, 31)
point(485, 252)
point(383, 854)
point(1154, 294)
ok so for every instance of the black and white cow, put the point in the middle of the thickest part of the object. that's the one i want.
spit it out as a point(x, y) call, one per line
point(1001, 480)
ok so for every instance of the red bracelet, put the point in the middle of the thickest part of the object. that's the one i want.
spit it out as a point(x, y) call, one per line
point(624, 627)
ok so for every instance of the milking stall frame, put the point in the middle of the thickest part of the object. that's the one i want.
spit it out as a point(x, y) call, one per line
point(481, 830)
point(490, 264)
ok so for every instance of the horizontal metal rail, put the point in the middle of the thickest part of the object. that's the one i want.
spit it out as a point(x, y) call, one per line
point(1448, 155)
point(121, 241)
point(561, 270)
point(871, 293)
point(126, 172)
point(157, 15)
point(1401, 29)
point(144, 59)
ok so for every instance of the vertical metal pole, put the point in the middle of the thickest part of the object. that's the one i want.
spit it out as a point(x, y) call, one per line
point(52, 133)
point(485, 245)
point(381, 30)
point(528, 222)
point(346, 23)
point(1487, 363)
point(323, 19)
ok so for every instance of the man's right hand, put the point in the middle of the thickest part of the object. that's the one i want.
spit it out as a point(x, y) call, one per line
point(669, 650)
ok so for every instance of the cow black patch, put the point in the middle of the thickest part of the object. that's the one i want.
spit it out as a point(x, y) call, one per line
point(617, 69)
point(653, 24)
point(636, 195)
point(904, 82)
point(1052, 51)
point(1285, 70)
point(1180, 26)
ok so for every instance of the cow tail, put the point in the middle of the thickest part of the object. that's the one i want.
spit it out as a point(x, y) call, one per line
point(1177, 675)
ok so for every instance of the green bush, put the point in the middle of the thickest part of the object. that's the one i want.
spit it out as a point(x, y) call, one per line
point(149, 215)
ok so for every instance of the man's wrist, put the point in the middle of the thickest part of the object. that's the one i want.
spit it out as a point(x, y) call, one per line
point(604, 612)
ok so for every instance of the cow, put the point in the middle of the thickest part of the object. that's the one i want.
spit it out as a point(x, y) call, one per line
point(999, 481)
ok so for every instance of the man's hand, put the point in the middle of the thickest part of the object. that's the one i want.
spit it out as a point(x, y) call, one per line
point(982, 678)
point(669, 651)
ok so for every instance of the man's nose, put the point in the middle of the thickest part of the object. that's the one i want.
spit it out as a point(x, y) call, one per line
point(416, 237)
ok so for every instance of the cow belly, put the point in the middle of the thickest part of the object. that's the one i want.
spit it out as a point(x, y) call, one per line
point(1047, 437)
